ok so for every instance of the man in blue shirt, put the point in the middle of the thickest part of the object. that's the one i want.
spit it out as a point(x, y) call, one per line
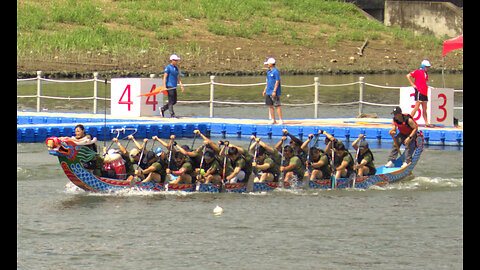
point(273, 90)
point(171, 77)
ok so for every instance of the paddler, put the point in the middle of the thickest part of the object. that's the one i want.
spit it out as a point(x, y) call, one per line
point(148, 157)
point(318, 162)
point(365, 158)
point(407, 135)
point(265, 169)
point(241, 161)
point(294, 169)
point(212, 169)
point(342, 160)
point(157, 172)
point(130, 170)
point(185, 173)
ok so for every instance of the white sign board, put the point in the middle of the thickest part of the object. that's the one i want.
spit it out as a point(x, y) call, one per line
point(439, 106)
point(125, 99)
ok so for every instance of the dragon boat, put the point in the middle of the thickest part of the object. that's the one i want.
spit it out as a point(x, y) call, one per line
point(72, 155)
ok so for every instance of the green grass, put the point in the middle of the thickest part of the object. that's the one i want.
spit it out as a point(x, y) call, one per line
point(123, 26)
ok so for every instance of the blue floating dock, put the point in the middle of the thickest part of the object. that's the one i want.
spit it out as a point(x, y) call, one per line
point(37, 126)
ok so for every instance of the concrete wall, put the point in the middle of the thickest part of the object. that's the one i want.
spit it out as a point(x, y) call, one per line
point(440, 18)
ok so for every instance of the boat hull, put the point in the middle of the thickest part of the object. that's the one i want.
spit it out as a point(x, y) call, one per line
point(71, 156)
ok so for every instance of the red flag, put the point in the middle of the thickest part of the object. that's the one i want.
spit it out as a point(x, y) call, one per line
point(452, 44)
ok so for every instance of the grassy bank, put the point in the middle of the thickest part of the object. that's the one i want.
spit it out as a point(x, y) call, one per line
point(210, 35)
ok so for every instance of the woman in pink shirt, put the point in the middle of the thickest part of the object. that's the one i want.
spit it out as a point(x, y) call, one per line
point(421, 89)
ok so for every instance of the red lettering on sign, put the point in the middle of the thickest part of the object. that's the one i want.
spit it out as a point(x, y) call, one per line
point(442, 107)
point(129, 101)
point(154, 102)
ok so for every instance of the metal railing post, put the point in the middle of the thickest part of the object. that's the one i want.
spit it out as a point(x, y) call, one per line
point(316, 81)
point(212, 93)
point(360, 95)
point(95, 91)
point(39, 90)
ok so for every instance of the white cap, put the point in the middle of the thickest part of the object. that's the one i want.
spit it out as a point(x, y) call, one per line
point(270, 60)
point(134, 152)
point(174, 57)
point(426, 63)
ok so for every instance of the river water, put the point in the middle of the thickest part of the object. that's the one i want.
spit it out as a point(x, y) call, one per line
point(414, 224)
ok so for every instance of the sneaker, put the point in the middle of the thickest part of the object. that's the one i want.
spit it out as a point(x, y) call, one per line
point(280, 122)
point(162, 110)
point(405, 164)
point(389, 164)
point(273, 122)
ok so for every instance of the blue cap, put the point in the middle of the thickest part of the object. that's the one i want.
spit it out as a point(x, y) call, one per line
point(158, 151)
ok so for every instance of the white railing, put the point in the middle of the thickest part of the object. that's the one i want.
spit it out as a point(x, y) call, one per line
point(212, 100)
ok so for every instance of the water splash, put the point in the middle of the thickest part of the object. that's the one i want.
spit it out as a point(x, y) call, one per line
point(423, 183)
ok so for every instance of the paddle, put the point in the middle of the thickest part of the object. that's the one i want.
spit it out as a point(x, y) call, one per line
point(225, 148)
point(118, 134)
point(333, 178)
point(156, 91)
point(396, 146)
point(356, 163)
point(194, 138)
point(309, 162)
point(141, 156)
point(280, 178)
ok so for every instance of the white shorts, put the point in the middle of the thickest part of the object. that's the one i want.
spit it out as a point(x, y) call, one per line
point(240, 176)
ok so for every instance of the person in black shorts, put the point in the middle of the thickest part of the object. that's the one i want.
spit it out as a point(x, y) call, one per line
point(273, 90)
point(420, 84)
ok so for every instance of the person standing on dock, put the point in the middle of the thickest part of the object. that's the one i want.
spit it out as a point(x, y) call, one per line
point(421, 89)
point(273, 90)
point(171, 77)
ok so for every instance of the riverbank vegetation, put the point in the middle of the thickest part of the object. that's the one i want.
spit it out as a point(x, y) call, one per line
point(211, 36)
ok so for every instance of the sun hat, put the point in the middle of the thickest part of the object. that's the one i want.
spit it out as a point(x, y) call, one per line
point(174, 57)
point(426, 63)
point(270, 60)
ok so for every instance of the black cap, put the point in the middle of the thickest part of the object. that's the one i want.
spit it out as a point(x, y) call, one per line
point(397, 110)
point(340, 146)
point(209, 155)
point(363, 145)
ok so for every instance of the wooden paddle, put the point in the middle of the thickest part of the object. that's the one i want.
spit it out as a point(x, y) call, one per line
point(356, 163)
point(396, 146)
point(156, 91)
point(225, 149)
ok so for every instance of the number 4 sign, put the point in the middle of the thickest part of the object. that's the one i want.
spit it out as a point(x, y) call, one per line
point(125, 99)
point(439, 108)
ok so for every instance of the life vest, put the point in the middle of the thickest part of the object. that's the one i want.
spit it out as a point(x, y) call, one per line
point(403, 126)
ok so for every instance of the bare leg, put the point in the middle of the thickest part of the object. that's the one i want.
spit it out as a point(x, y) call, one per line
point(272, 114)
point(279, 112)
point(424, 111)
point(415, 109)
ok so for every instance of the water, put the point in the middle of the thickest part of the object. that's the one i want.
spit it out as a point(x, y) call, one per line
point(252, 94)
point(414, 224)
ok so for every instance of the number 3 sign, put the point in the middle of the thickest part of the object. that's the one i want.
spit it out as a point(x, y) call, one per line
point(439, 108)
point(126, 101)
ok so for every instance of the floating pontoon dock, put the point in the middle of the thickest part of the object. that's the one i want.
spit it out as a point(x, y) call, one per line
point(37, 126)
